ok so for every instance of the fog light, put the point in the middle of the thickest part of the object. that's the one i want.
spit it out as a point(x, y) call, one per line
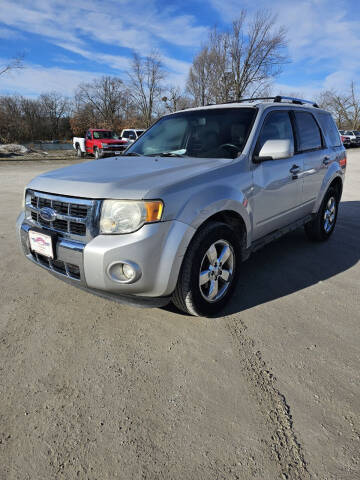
point(128, 271)
point(124, 272)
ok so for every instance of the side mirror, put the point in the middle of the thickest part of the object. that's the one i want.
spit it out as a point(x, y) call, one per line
point(275, 150)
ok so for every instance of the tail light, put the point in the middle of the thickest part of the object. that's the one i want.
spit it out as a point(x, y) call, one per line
point(342, 161)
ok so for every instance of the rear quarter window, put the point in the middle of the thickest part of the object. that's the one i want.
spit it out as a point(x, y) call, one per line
point(329, 130)
point(308, 132)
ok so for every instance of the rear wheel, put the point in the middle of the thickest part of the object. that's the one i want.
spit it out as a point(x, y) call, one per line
point(209, 272)
point(323, 225)
point(79, 153)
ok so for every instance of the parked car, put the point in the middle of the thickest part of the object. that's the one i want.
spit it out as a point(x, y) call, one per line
point(188, 203)
point(354, 137)
point(100, 143)
point(132, 134)
point(346, 141)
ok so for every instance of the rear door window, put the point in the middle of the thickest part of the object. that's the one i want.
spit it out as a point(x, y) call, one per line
point(329, 129)
point(308, 132)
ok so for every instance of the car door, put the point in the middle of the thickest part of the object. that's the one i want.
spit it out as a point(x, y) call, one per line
point(314, 154)
point(88, 142)
point(276, 184)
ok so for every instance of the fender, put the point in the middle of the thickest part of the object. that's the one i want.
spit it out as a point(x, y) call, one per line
point(210, 201)
point(333, 172)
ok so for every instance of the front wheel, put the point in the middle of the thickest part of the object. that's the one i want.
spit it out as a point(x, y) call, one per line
point(209, 272)
point(323, 224)
point(98, 154)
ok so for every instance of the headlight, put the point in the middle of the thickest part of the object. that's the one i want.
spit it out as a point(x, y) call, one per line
point(126, 216)
point(23, 199)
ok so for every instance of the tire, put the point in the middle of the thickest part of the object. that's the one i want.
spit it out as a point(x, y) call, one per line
point(79, 153)
point(190, 295)
point(323, 225)
point(97, 154)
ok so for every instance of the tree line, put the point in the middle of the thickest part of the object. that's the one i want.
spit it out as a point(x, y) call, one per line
point(233, 64)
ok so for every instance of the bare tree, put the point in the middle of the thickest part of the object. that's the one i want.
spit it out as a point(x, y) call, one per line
point(55, 106)
point(175, 100)
point(238, 62)
point(200, 77)
point(106, 98)
point(32, 119)
point(145, 85)
point(15, 63)
point(11, 121)
point(344, 106)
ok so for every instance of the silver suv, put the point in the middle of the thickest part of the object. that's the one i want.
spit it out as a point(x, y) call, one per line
point(175, 216)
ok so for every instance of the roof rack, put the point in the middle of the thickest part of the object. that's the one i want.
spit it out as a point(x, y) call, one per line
point(277, 99)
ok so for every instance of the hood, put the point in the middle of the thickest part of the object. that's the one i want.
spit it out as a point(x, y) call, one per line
point(126, 178)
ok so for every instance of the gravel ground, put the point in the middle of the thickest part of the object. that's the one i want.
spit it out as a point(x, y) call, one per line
point(95, 390)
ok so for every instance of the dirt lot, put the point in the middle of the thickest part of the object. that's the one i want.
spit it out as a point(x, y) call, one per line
point(95, 390)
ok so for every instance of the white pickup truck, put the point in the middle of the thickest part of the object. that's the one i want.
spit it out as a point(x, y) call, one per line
point(132, 134)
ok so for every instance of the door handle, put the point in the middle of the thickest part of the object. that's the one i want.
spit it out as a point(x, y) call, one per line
point(295, 169)
point(326, 160)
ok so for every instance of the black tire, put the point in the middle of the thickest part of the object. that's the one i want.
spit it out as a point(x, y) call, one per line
point(98, 154)
point(79, 153)
point(318, 229)
point(188, 295)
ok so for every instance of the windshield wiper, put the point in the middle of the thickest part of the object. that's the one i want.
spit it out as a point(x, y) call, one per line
point(165, 154)
point(131, 154)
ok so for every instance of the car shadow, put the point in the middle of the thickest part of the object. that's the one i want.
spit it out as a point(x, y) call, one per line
point(293, 263)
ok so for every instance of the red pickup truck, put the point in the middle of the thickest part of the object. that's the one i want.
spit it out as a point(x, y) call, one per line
point(100, 143)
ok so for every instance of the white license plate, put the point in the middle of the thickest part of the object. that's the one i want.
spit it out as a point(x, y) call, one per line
point(41, 243)
point(117, 153)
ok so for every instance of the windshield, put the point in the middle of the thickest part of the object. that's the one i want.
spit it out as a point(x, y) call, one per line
point(212, 133)
point(99, 134)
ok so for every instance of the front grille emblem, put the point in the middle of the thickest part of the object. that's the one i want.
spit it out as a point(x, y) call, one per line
point(47, 214)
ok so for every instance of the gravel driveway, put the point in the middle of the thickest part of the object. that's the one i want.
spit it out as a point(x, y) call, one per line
point(96, 390)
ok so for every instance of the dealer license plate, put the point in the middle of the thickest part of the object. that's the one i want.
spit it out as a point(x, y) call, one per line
point(41, 243)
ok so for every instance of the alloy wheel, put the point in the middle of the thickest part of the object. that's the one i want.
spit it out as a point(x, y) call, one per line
point(216, 271)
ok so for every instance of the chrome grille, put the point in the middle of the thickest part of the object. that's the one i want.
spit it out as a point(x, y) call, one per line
point(74, 217)
point(58, 266)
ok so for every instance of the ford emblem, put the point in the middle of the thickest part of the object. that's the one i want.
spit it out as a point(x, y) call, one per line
point(47, 214)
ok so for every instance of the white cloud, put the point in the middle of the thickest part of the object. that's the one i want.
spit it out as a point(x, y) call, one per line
point(300, 90)
point(35, 79)
point(114, 61)
point(9, 34)
point(132, 23)
point(129, 24)
point(60, 58)
point(323, 36)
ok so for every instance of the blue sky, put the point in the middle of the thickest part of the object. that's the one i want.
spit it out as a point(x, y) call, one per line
point(66, 43)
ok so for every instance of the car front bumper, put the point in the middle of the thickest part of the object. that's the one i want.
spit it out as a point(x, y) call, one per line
point(157, 249)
